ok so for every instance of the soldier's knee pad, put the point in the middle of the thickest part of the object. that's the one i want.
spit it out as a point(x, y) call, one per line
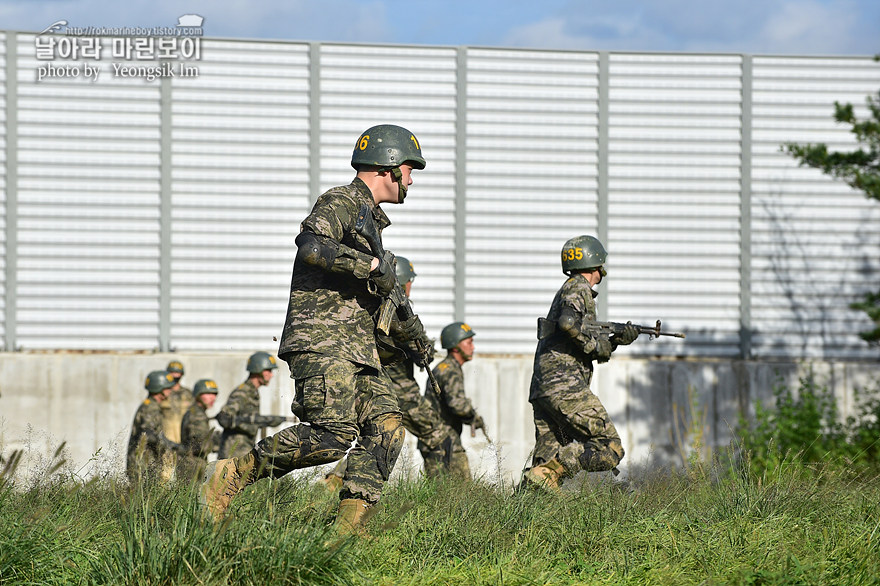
point(602, 456)
point(327, 446)
point(571, 457)
point(384, 439)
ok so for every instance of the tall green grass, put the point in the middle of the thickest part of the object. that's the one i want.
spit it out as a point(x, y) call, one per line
point(816, 524)
point(797, 501)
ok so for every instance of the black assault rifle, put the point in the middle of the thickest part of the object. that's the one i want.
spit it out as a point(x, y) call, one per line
point(611, 327)
point(396, 300)
point(547, 327)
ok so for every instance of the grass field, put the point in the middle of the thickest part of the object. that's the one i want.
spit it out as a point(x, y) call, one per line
point(721, 524)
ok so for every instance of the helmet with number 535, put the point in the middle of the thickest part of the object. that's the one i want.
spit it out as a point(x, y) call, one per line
point(582, 252)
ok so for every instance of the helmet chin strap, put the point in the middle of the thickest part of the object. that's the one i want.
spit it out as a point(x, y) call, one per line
point(401, 188)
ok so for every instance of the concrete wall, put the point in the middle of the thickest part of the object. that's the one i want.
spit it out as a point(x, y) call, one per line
point(89, 399)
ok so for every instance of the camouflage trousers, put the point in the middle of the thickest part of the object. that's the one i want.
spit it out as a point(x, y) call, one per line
point(575, 429)
point(448, 458)
point(419, 417)
point(338, 402)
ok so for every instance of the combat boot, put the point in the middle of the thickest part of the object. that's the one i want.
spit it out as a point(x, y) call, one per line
point(223, 480)
point(332, 482)
point(546, 475)
point(351, 516)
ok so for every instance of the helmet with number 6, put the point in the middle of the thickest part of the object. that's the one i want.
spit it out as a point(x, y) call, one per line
point(387, 146)
point(583, 252)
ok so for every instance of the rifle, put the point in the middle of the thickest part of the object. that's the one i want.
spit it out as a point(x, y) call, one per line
point(610, 327)
point(397, 300)
point(547, 327)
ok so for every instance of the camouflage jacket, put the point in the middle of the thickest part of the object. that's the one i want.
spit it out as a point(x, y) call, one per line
point(196, 434)
point(147, 443)
point(238, 414)
point(331, 311)
point(454, 407)
point(559, 354)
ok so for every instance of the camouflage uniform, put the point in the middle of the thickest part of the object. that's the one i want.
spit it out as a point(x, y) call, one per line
point(329, 342)
point(419, 417)
point(197, 438)
point(239, 419)
point(455, 409)
point(147, 444)
point(571, 425)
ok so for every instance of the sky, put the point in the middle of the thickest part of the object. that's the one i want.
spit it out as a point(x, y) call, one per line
point(801, 27)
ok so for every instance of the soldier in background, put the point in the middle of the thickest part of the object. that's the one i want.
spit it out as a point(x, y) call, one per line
point(454, 406)
point(419, 417)
point(179, 401)
point(195, 431)
point(147, 444)
point(240, 417)
point(572, 429)
point(329, 340)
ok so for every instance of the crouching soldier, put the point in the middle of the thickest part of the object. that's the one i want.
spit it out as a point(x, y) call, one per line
point(572, 429)
point(148, 445)
point(195, 431)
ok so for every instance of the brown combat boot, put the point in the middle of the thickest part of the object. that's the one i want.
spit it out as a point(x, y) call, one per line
point(331, 482)
point(223, 480)
point(351, 516)
point(546, 475)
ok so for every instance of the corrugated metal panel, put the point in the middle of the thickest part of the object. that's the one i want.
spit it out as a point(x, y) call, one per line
point(814, 240)
point(414, 87)
point(674, 199)
point(532, 146)
point(240, 156)
point(88, 198)
point(524, 124)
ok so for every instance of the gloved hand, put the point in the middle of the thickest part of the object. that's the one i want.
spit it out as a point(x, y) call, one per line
point(627, 336)
point(384, 275)
point(603, 348)
point(269, 420)
point(478, 423)
point(407, 330)
point(274, 420)
point(423, 356)
point(428, 346)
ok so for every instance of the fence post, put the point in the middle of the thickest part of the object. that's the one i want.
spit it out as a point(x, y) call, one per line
point(459, 308)
point(11, 282)
point(602, 165)
point(745, 244)
point(314, 122)
point(165, 162)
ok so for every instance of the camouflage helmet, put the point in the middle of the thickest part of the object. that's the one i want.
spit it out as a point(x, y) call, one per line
point(455, 333)
point(582, 252)
point(205, 386)
point(175, 366)
point(405, 271)
point(260, 361)
point(387, 145)
point(159, 380)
